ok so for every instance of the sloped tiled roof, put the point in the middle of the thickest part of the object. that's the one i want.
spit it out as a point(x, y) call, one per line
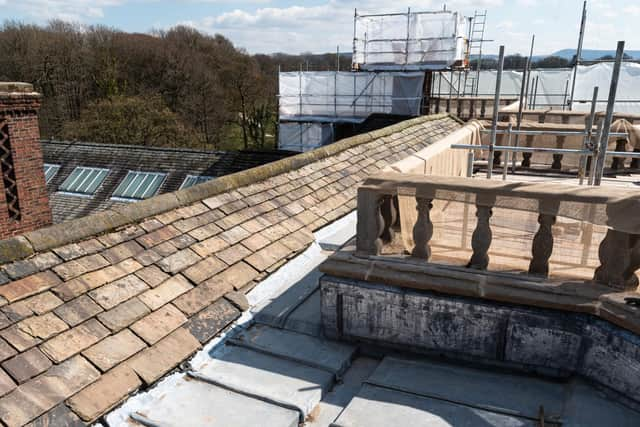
point(92, 316)
point(119, 159)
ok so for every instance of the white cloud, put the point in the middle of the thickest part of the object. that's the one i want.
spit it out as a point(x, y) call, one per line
point(318, 28)
point(70, 10)
point(632, 10)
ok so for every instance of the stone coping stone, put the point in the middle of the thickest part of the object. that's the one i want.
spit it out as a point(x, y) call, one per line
point(195, 403)
point(276, 312)
point(499, 392)
point(103, 222)
point(332, 356)
point(16, 87)
point(379, 407)
point(570, 296)
point(306, 317)
point(267, 376)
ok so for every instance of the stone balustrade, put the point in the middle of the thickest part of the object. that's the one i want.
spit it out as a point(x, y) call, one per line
point(569, 121)
point(619, 252)
point(467, 107)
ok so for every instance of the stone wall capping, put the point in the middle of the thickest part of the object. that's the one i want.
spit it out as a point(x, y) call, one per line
point(17, 248)
point(73, 231)
point(16, 87)
point(571, 296)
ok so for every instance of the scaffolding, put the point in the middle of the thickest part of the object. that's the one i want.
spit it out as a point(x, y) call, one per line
point(411, 41)
point(594, 147)
point(311, 103)
point(557, 88)
point(393, 57)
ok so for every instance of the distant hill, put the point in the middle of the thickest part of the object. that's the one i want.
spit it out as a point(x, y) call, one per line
point(593, 54)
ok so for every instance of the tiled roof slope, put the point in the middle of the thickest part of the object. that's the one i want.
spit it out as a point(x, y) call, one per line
point(119, 159)
point(85, 324)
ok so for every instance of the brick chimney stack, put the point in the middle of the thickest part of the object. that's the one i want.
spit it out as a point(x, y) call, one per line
point(24, 203)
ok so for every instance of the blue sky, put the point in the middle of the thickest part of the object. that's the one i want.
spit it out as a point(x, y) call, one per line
point(296, 26)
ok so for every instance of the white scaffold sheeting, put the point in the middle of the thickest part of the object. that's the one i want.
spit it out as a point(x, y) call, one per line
point(301, 137)
point(552, 85)
point(349, 94)
point(422, 40)
point(627, 95)
point(553, 89)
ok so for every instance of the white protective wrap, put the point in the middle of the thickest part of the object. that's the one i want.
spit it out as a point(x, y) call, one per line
point(553, 89)
point(302, 137)
point(348, 94)
point(429, 39)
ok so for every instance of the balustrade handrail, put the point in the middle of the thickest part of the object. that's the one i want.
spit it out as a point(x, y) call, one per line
point(614, 207)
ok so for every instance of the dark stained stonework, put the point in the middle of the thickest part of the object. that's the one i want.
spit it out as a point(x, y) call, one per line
point(534, 340)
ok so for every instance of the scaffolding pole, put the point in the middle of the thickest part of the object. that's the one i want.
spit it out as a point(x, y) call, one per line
point(578, 53)
point(604, 138)
point(582, 168)
point(496, 108)
point(521, 102)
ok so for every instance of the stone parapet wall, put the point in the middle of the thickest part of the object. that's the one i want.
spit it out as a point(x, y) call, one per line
point(535, 340)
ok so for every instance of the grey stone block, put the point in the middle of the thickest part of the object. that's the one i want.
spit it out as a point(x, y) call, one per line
point(200, 404)
point(500, 392)
point(276, 311)
point(588, 407)
point(391, 315)
point(339, 397)
point(378, 407)
point(612, 359)
point(268, 376)
point(543, 341)
point(550, 342)
point(306, 317)
point(331, 356)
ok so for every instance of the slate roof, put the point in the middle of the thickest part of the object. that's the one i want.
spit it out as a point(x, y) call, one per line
point(86, 323)
point(119, 159)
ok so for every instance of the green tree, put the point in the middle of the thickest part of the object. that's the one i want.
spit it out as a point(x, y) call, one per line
point(130, 120)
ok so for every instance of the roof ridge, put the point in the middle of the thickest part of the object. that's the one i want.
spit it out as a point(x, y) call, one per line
point(20, 247)
point(131, 146)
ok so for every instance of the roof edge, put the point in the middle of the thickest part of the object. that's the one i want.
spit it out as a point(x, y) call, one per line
point(20, 247)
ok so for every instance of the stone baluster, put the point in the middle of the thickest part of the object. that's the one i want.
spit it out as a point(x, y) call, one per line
point(437, 105)
point(472, 109)
point(371, 223)
point(560, 140)
point(557, 158)
point(542, 246)
point(389, 216)
point(526, 157)
point(619, 255)
point(448, 104)
point(459, 107)
point(396, 205)
point(635, 162)
point(497, 155)
point(481, 238)
point(423, 229)
point(483, 108)
point(618, 162)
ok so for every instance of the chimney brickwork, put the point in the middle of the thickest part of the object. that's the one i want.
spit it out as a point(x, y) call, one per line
point(24, 203)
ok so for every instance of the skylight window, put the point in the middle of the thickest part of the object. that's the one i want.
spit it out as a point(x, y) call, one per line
point(192, 180)
point(50, 171)
point(84, 180)
point(139, 185)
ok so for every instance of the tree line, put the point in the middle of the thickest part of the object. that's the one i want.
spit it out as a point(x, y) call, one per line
point(177, 87)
